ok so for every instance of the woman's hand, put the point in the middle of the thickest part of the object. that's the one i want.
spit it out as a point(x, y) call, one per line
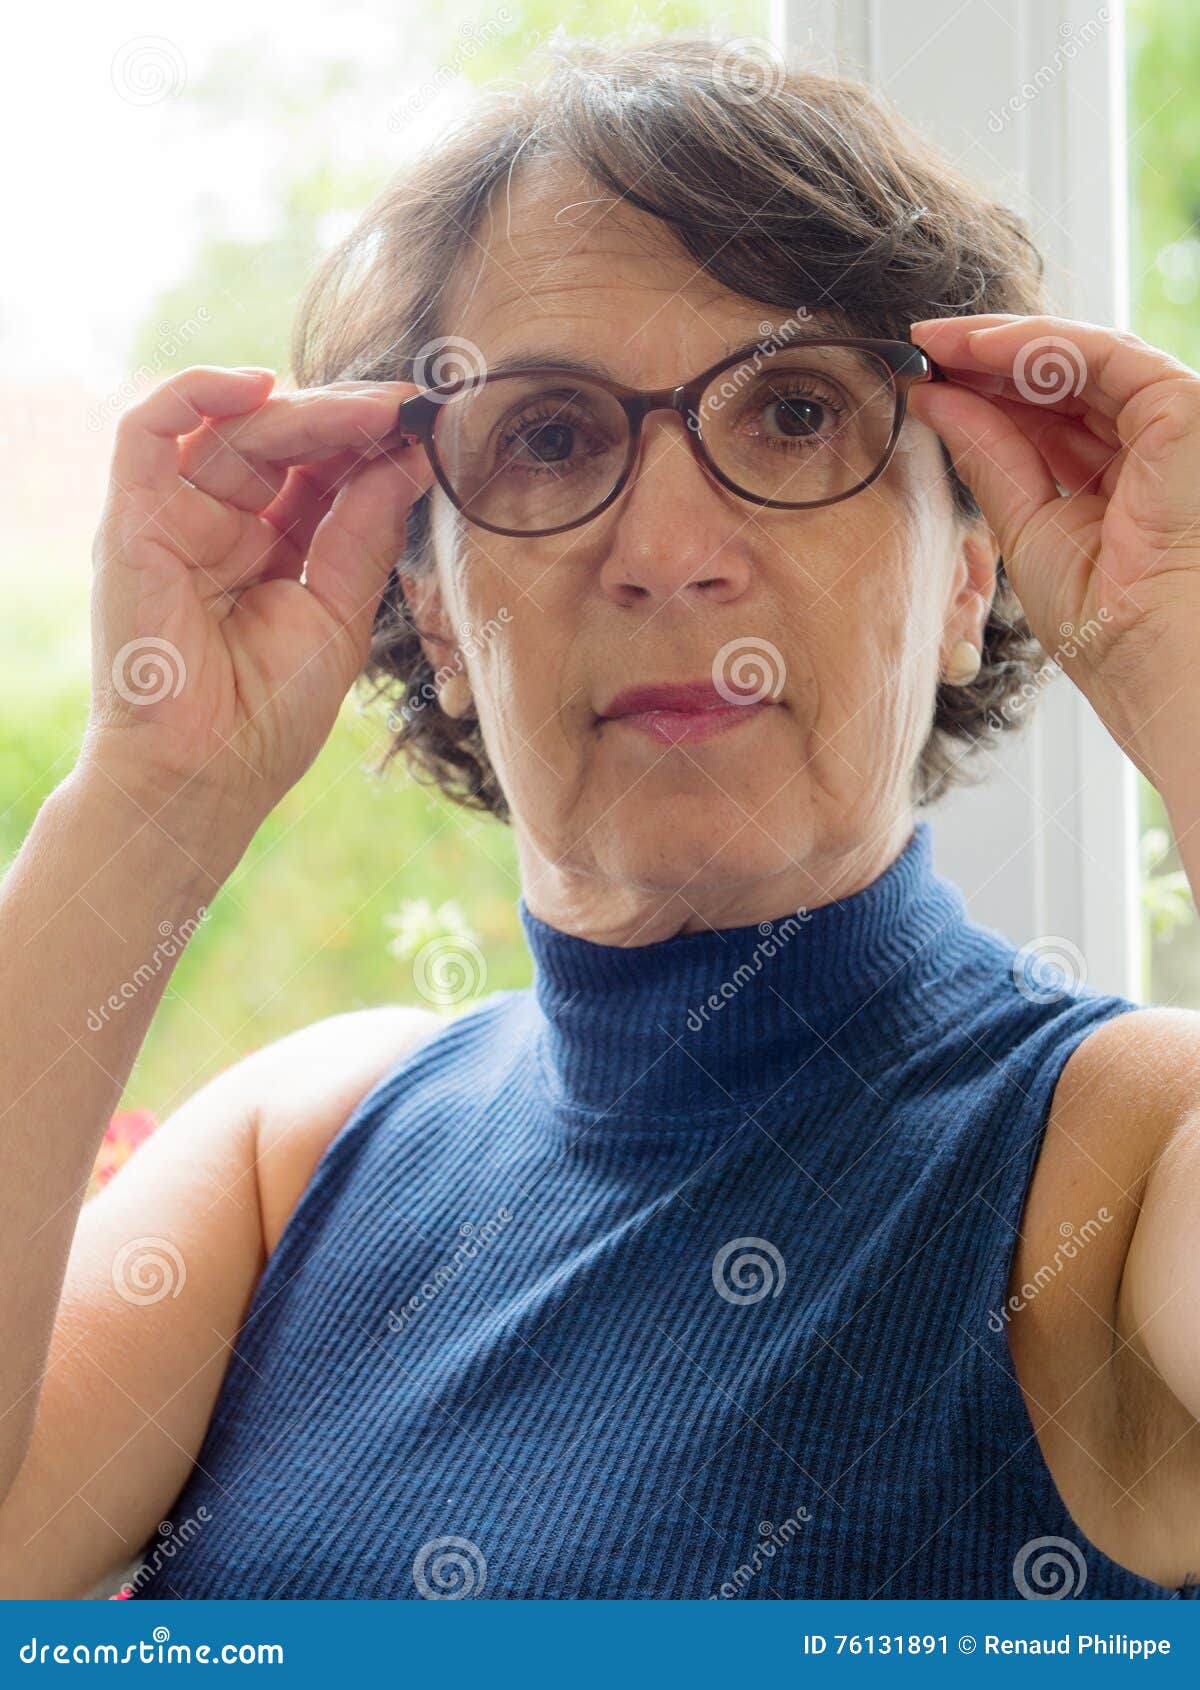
point(1109, 574)
point(215, 668)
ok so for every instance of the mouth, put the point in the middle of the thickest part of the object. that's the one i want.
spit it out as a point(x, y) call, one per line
point(691, 712)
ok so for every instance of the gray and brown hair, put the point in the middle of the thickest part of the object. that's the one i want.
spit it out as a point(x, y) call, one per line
point(813, 192)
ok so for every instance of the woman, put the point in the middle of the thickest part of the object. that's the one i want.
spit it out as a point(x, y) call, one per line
point(785, 1239)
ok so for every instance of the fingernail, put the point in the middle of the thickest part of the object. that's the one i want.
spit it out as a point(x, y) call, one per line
point(254, 369)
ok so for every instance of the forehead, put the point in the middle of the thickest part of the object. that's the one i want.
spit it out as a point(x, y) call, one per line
point(558, 262)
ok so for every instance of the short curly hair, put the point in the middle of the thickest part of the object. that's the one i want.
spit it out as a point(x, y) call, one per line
point(787, 183)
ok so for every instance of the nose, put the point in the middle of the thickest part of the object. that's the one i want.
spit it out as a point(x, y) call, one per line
point(678, 532)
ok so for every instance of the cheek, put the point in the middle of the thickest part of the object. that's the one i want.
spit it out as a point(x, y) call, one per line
point(866, 623)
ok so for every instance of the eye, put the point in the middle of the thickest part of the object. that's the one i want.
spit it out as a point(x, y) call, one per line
point(549, 439)
point(799, 414)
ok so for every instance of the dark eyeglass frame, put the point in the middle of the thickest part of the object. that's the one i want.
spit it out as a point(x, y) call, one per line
point(417, 417)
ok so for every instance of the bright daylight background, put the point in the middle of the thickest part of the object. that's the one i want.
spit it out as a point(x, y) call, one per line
point(170, 191)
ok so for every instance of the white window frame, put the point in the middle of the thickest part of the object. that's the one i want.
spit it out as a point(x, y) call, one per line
point(1046, 848)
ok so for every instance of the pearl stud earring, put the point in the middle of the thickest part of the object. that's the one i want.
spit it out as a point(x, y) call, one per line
point(964, 664)
point(454, 696)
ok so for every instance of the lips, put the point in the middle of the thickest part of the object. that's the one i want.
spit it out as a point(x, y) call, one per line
point(684, 696)
point(692, 710)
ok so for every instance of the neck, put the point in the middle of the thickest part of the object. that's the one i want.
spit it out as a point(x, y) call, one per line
point(624, 911)
point(708, 1022)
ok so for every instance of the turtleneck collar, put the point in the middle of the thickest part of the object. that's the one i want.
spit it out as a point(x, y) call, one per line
point(703, 1023)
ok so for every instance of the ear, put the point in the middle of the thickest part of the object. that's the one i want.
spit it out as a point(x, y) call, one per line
point(427, 608)
point(972, 584)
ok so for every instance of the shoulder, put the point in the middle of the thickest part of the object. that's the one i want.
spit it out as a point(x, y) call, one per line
point(1120, 1096)
point(1105, 1341)
point(302, 1088)
point(1123, 1090)
point(1130, 1082)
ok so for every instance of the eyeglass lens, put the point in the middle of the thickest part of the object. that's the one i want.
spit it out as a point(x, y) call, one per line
point(801, 424)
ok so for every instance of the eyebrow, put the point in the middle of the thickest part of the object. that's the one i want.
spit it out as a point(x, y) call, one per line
point(551, 356)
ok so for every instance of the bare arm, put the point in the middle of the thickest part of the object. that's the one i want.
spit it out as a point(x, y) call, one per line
point(163, 1265)
point(239, 561)
point(92, 915)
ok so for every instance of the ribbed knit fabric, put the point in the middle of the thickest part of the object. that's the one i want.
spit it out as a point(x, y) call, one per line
point(668, 1277)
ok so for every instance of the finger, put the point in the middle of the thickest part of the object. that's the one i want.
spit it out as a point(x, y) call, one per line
point(1003, 387)
point(243, 461)
point(1053, 358)
point(362, 537)
point(1003, 468)
point(1075, 457)
point(274, 544)
point(146, 450)
point(303, 504)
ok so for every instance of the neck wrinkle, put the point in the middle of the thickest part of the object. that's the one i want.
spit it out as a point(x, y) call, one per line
point(702, 1026)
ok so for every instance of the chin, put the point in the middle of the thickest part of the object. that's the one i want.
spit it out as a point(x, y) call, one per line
point(700, 842)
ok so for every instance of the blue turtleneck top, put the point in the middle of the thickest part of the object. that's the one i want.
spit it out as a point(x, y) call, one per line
point(678, 1274)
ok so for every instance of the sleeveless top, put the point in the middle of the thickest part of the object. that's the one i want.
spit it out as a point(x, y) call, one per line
point(681, 1273)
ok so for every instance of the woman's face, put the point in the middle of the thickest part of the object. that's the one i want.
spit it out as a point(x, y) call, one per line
point(842, 611)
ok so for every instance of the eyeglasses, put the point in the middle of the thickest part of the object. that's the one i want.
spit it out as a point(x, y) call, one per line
point(543, 449)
